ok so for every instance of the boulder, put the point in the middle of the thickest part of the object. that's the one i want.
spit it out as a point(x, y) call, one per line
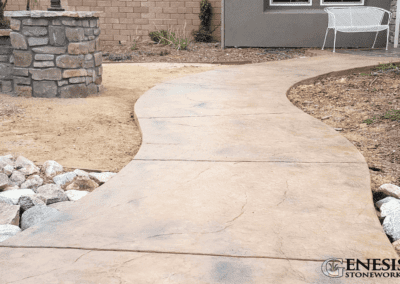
point(81, 173)
point(26, 166)
point(390, 190)
point(33, 182)
point(17, 178)
point(74, 195)
point(102, 177)
point(82, 183)
point(391, 225)
point(51, 168)
point(8, 170)
point(36, 215)
point(390, 207)
point(7, 231)
point(29, 201)
point(52, 193)
point(63, 179)
point(385, 200)
point(61, 206)
point(3, 181)
point(5, 200)
point(6, 160)
point(9, 214)
point(15, 194)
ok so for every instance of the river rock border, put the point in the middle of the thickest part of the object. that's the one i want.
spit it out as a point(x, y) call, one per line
point(56, 54)
point(29, 194)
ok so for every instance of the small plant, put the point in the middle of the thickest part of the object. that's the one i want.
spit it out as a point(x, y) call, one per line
point(365, 74)
point(134, 46)
point(204, 34)
point(393, 115)
point(160, 36)
point(384, 67)
point(177, 40)
point(370, 120)
point(4, 23)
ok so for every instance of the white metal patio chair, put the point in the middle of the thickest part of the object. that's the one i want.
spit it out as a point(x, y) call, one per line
point(355, 20)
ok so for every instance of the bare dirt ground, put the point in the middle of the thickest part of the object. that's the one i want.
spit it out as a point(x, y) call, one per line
point(149, 51)
point(100, 132)
point(91, 133)
point(366, 106)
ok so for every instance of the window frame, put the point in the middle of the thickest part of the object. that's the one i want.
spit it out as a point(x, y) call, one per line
point(361, 2)
point(291, 4)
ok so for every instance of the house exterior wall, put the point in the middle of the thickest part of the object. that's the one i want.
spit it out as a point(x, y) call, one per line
point(127, 20)
point(254, 23)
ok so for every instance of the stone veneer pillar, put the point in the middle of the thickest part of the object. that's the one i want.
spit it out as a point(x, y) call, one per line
point(56, 54)
point(6, 65)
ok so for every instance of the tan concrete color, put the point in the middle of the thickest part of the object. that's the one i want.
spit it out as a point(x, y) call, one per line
point(232, 184)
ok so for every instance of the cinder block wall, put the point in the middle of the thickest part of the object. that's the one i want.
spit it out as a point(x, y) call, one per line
point(127, 20)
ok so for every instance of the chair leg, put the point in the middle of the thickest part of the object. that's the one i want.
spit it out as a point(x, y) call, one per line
point(334, 42)
point(373, 46)
point(326, 34)
point(387, 40)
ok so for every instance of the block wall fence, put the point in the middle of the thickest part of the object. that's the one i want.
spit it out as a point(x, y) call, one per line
point(127, 20)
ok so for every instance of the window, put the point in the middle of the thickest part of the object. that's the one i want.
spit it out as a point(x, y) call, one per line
point(342, 2)
point(290, 2)
point(309, 2)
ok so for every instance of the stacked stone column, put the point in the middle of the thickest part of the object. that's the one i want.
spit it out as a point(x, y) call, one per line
point(6, 65)
point(56, 54)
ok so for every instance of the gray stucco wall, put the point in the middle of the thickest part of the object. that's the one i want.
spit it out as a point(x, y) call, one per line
point(252, 23)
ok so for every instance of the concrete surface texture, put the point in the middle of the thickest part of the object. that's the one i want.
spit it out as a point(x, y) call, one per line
point(232, 184)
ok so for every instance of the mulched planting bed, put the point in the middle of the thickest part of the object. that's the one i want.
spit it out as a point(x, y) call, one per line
point(149, 51)
point(366, 106)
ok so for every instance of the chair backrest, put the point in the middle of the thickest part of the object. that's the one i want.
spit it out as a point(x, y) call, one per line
point(355, 16)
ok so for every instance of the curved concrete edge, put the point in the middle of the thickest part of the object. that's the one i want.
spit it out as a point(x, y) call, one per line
point(217, 223)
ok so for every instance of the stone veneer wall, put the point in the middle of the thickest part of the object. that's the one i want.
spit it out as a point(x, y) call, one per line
point(56, 54)
point(6, 65)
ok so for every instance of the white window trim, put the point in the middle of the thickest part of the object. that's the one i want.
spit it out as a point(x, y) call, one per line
point(323, 3)
point(291, 4)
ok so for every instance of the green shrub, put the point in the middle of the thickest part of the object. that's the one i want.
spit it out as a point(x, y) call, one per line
point(179, 42)
point(204, 34)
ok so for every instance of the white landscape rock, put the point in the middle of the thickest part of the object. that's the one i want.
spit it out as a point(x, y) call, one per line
point(7, 231)
point(75, 195)
point(81, 173)
point(26, 166)
point(102, 177)
point(52, 168)
point(3, 181)
point(64, 178)
point(385, 200)
point(82, 183)
point(391, 225)
point(52, 193)
point(8, 170)
point(9, 214)
point(36, 214)
point(15, 194)
point(17, 178)
point(29, 201)
point(61, 206)
point(6, 160)
point(5, 200)
point(390, 190)
point(390, 207)
point(33, 182)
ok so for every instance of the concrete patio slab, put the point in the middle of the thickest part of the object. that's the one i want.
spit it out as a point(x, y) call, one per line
point(232, 184)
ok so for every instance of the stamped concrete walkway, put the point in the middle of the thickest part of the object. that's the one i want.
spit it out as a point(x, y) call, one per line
point(232, 184)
